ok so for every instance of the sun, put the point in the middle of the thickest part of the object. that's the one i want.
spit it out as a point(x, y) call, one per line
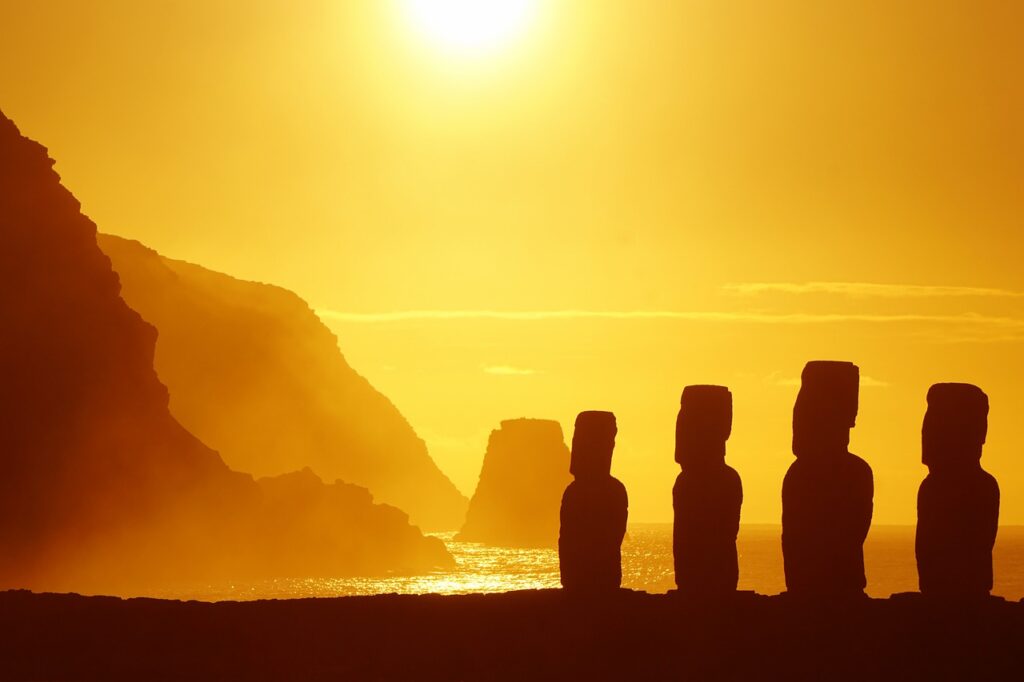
point(470, 27)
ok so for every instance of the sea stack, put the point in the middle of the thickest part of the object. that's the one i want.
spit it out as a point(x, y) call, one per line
point(521, 482)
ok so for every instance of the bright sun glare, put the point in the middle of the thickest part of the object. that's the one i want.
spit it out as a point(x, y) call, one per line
point(470, 26)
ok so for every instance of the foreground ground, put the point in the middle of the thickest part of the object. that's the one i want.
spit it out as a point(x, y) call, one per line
point(517, 635)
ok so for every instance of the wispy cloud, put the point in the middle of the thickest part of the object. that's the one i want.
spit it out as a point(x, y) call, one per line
point(966, 319)
point(868, 289)
point(976, 335)
point(505, 370)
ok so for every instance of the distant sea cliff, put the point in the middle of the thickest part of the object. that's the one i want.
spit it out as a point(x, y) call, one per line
point(255, 374)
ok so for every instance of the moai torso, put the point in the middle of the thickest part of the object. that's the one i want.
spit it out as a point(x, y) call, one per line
point(707, 521)
point(826, 515)
point(593, 524)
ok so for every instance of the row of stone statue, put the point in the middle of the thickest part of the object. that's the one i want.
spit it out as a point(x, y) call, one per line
point(826, 495)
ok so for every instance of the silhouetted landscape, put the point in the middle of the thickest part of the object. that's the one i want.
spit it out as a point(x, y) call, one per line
point(511, 340)
point(105, 490)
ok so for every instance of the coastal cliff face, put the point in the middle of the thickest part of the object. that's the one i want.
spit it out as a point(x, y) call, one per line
point(101, 488)
point(525, 471)
point(254, 373)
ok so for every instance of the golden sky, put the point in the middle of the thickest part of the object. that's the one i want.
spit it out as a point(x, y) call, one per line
point(625, 198)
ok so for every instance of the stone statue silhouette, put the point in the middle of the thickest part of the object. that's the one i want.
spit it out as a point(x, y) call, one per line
point(594, 509)
point(958, 502)
point(827, 492)
point(707, 495)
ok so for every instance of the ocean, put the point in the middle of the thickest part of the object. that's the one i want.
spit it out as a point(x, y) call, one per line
point(646, 565)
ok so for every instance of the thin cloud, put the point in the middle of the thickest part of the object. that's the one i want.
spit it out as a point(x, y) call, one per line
point(987, 335)
point(505, 370)
point(968, 319)
point(868, 290)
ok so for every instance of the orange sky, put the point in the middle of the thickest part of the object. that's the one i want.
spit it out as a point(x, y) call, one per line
point(618, 157)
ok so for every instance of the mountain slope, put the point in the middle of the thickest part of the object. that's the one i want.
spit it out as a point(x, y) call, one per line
point(254, 373)
point(101, 489)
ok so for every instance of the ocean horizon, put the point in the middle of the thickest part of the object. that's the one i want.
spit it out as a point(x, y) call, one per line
point(646, 565)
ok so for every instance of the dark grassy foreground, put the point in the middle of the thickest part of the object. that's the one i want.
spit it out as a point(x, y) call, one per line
point(517, 635)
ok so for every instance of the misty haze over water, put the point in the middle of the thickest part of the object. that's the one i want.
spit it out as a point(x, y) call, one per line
point(646, 565)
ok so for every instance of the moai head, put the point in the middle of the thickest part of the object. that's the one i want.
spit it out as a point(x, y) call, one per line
point(955, 426)
point(593, 440)
point(826, 408)
point(703, 425)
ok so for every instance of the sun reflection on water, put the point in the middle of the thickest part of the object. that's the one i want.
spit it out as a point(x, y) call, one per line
point(646, 562)
point(646, 565)
point(479, 568)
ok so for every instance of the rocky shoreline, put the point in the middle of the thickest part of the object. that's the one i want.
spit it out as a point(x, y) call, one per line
point(536, 634)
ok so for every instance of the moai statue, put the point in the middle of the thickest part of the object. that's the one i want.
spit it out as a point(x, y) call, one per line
point(958, 502)
point(594, 509)
point(707, 495)
point(827, 493)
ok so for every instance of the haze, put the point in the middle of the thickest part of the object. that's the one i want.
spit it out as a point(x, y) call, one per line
point(624, 199)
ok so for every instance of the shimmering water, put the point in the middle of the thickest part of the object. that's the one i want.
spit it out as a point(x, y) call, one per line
point(646, 565)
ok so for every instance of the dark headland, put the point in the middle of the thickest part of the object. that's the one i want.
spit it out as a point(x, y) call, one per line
point(517, 635)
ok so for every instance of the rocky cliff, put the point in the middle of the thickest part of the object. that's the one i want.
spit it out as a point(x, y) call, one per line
point(101, 488)
point(525, 471)
point(255, 374)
